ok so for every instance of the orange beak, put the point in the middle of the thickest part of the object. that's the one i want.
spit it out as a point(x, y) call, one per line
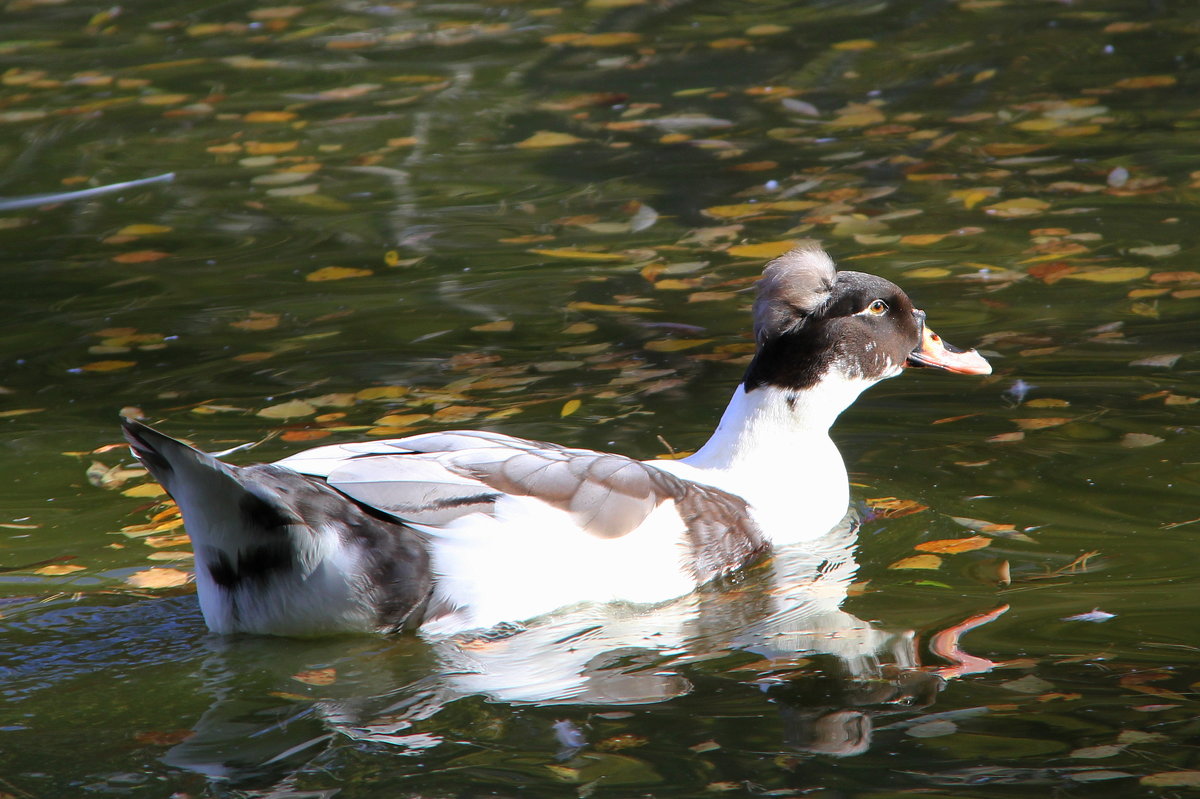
point(936, 353)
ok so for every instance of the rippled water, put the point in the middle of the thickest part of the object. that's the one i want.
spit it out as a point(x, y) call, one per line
point(1027, 171)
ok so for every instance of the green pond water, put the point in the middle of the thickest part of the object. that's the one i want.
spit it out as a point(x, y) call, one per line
point(544, 220)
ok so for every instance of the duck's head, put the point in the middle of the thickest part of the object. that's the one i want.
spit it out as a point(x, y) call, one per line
point(814, 324)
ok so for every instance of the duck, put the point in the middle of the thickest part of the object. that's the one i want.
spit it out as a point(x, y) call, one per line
point(464, 530)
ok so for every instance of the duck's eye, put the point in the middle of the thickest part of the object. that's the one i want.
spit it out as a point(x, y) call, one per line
point(877, 307)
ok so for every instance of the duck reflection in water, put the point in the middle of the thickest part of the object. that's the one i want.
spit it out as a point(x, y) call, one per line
point(779, 632)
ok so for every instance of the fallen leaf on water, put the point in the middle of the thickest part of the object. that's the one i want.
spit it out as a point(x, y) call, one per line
point(1157, 251)
point(893, 508)
point(1047, 402)
point(675, 344)
point(927, 271)
point(766, 249)
point(1146, 82)
point(918, 562)
point(1021, 206)
point(304, 435)
point(145, 490)
point(1109, 274)
point(58, 569)
point(855, 44)
point(141, 256)
point(287, 410)
point(1098, 752)
point(595, 306)
point(548, 138)
point(1172, 779)
point(1166, 360)
point(382, 392)
point(1042, 423)
point(922, 239)
point(1134, 440)
point(952, 546)
point(143, 230)
point(1004, 438)
point(458, 413)
point(336, 273)
point(158, 578)
point(316, 676)
point(585, 255)
point(268, 116)
point(983, 526)
point(569, 407)
point(257, 321)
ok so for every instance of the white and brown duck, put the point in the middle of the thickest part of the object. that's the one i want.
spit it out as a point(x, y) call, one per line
point(462, 530)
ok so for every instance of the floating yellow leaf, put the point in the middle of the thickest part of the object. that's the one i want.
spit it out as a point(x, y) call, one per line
point(158, 578)
point(58, 569)
point(952, 546)
point(596, 306)
point(583, 255)
point(401, 419)
point(458, 413)
point(607, 39)
point(144, 490)
point(855, 44)
point(675, 344)
point(928, 272)
point(107, 366)
point(858, 119)
point(269, 116)
point(381, 392)
point(569, 407)
point(1040, 124)
point(1042, 423)
point(918, 562)
point(1047, 402)
point(766, 249)
point(1109, 274)
point(171, 554)
point(316, 676)
point(548, 138)
point(973, 197)
point(922, 239)
point(1021, 206)
point(143, 230)
point(336, 273)
point(291, 409)
point(1146, 82)
point(766, 29)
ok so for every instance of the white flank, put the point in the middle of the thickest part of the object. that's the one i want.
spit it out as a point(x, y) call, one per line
point(532, 558)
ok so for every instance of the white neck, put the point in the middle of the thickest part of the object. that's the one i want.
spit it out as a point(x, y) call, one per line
point(773, 449)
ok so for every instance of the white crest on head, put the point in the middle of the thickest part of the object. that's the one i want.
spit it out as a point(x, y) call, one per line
point(795, 284)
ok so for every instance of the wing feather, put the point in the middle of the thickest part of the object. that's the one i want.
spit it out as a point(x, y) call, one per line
point(434, 479)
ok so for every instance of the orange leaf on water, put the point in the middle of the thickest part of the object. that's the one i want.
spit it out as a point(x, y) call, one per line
point(141, 256)
point(918, 562)
point(952, 546)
